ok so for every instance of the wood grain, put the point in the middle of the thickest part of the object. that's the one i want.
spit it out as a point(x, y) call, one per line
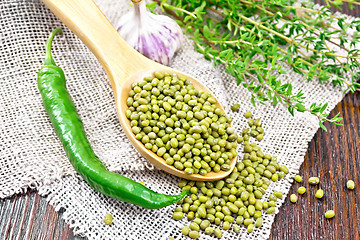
point(30, 217)
point(334, 156)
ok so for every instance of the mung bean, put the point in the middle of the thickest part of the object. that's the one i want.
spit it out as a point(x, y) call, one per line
point(257, 214)
point(209, 231)
point(298, 178)
point(248, 221)
point(273, 198)
point(278, 194)
point(301, 190)
point(259, 222)
point(108, 219)
point(236, 228)
point(218, 233)
point(319, 193)
point(248, 115)
point(293, 198)
point(185, 230)
point(178, 215)
point(235, 107)
point(284, 169)
point(350, 184)
point(194, 234)
point(270, 210)
point(329, 214)
point(314, 180)
point(250, 228)
point(197, 220)
point(226, 225)
point(239, 219)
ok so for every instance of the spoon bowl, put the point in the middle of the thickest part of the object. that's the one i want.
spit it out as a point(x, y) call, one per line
point(148, 154)
point(124, 66)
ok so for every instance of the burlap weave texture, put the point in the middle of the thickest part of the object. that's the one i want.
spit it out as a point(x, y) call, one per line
point(32, 156)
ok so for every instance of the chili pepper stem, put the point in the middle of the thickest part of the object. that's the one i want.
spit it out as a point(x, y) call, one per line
point(48, 57)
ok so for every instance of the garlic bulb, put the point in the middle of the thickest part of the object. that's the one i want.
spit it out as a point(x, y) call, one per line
point(157, 37)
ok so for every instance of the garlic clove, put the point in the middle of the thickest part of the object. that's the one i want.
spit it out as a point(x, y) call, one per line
point(157, 37)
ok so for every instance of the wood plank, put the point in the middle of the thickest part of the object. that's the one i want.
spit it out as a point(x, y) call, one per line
point(29, 216)
point(334, 157)
point(24, 214)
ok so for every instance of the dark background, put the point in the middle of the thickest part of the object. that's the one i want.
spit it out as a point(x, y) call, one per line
point(333, 156)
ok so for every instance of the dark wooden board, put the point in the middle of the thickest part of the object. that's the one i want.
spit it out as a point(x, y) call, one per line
point(334, 156)
point(29, 216)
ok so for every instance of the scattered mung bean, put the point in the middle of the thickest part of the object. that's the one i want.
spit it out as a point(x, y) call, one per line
point(270, 210)
point(108, 219)
point(284, 169)
point(194, 226)
point(194, 234)
point(259, 222)
point(278, 194)
point(329, 214)
point(226, 225)
point(248, 221)
point(248, 115)
point(314, 180)
point(209, 230)
point(204, 224)
point(250, 228)
point(218, 233)
point(350, 184)
point(236, 228)
point(298, 178)
point(293, 198)
point(319, 193)
point(273, 198)
point(178, 215)
point(271, 204)
point(301, 190)
point(185, 230)
point(235, 107)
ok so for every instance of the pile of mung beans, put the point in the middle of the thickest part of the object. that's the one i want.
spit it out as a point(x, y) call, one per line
point(181, 124)
point(237, 199)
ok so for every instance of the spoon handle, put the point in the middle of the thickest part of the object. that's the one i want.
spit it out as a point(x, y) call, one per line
point(86, 20)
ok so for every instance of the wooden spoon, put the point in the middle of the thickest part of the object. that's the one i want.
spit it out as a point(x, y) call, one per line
point(124, 66)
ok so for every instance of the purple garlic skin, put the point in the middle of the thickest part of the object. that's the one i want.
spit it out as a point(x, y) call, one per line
point(157, 37)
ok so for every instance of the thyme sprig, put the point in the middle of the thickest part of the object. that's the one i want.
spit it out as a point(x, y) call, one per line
point(253, 39)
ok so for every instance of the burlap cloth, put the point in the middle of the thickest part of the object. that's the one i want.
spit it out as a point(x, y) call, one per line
point(31, 155)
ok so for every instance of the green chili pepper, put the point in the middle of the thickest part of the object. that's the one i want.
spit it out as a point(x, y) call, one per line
point(69, 128)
